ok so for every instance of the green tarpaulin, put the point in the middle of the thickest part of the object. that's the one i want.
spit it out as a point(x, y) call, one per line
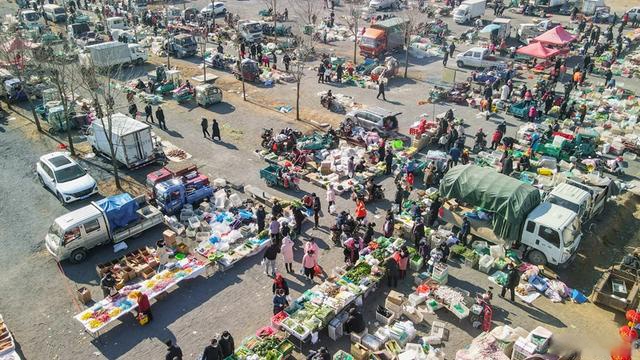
point(509, 199)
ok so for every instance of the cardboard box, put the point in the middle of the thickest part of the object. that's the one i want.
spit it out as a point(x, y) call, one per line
point(396, 309)
point(148, 274)
point(84, 295)
point(169, 237)
point(359, 352)
point(140, 269)
point(120, 284)
point(395, 297)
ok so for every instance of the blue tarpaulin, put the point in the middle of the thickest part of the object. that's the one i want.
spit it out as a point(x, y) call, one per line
point(120, 210)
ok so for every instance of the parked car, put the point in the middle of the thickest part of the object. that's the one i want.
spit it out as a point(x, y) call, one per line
point(374, 119)
point(383, 4)
point(65, 177)
point(634, 13)
point(216, 8)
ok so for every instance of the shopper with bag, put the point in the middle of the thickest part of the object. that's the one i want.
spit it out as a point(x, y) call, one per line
point(213, 351)
point(280, 283)
point(311, 245)
point(331, 199)
point(287, 253)
point(227, 344)
point(309, 263)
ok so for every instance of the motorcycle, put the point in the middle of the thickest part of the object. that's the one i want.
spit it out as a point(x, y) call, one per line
point(479, 145)
point(267, 136)
point(361, 192)
point(330, 104)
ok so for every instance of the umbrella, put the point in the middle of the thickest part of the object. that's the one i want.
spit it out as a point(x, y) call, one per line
point(628, 334)
point(633, 316)
point(489, 28)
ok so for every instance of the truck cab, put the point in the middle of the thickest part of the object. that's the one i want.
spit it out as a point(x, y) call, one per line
point(116, 22)
point(372, 43)
point(551, 234)
point(30, 19)
point(250, 31)
point(183, 45)
point(504, 32)
point(173, 194)
point(54, 13)
point(572, 198)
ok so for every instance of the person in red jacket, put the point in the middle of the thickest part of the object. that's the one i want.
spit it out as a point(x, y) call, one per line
point(361, 210)
point(495, 139)
point(144, 307)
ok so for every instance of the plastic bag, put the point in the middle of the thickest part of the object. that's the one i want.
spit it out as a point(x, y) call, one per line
point(314, 337)
point(317, 270)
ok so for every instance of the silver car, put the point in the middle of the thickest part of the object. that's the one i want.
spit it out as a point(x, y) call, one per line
point(374, 119)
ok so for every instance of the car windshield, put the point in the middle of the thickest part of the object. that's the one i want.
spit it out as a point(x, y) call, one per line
point(460, 12)
point(56, 233)
point(70, 173)
point(254, 28)
point(367, 41)
point(31, 16)
point(59, 11)
point(565, 204)
point(186, 41)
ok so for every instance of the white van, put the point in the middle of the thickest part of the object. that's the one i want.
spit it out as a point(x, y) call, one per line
point(116, 22)
point(54, 13)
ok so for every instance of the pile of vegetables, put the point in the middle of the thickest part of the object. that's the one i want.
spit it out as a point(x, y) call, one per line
point(265, 346)
point(458, 249)
point(358, 272)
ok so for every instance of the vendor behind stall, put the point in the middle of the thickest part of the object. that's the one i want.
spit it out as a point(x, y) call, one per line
point(355, 322)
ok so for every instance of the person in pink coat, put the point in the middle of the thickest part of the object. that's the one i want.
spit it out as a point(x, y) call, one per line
point(402, 257)
point(287, 253)
point(309, 263)
point(311, 245)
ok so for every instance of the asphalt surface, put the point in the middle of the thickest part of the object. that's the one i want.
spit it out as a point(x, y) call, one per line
point(36, 296)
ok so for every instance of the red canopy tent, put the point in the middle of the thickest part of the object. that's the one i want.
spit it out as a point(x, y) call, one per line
point(538, 50)
point(556, 36)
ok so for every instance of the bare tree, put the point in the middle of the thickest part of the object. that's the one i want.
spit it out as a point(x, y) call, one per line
point(353, 22)
point(102, 91)
point(272, 4)
point(302, 54)
point(15, 56)
point(411, 27)
point(307, 10)
point(64, 74)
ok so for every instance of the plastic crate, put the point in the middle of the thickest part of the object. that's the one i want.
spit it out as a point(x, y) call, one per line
point(522, 349)
point(341, 355)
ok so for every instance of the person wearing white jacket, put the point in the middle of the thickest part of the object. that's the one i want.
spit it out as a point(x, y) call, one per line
point(331, 198)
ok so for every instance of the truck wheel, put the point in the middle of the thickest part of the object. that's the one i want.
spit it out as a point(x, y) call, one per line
point(460, 64)
point(78, 256)
point(537, 257)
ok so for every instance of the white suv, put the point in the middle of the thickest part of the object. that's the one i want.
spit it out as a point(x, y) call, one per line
point(217, 8)
point(65, 178)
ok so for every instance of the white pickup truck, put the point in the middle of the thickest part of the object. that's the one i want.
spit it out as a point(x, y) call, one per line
point(73, 234)
point(478, 57)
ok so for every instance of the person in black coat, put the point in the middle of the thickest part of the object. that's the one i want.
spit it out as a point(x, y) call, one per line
point(399, 195)
point(215, 130)
point(381, 90)
point(261, 215)
point(213, 351)
point(393, 272)
point(133, 110)
point(204, 124)
point(316, 210)
point(173, 351)
point(388, 160)
point(227, 344)
point(355, 322)
point(276, 209)
point(148, 113)
point(513, 279)
point(160, 117)
point(298, 217)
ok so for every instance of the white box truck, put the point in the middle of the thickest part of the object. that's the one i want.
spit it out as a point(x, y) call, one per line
point(133, 143)
point(112, 53)
point(546, 233)
point(109, 220)
point(250, 31)
point(469, 10)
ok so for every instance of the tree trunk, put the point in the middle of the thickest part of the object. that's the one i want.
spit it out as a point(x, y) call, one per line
point(68, 123)
point(406, 54)
point(298, 99)
point(35, 116)
point(275, 22)
point(355, 38)
point(115, 166)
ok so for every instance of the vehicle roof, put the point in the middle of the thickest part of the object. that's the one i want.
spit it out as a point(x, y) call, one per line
point(76, 216)
point(378, 111)
point(570, 193)
point(182, 36)
point(478, 48)
point(115, 18)
point(394, 21)
point(501, 20)
point(51, 6)
point(373, 33)
point(551, 215)
point(57, 160)
point(123, 124)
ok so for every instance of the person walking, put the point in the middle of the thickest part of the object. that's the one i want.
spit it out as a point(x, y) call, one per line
point(269, 259)
point(287, 253)
point(148, 113)
point(445, 59)
point(309, 263)
point(215, 130)
point(389, 224)
point(393, 272)
point(513, 278)
point(227, 344)
point(452, 48)
point(298, 217)
point(331, 198)
point(381, 90)
point(133, 110)
point(213, 351)
point(274, 230)
point(160, 117)
point(316, 210)
point(204, 123)
point(173, 351)
point(286, 59)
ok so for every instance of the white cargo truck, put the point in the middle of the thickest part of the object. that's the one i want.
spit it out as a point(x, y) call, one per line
point(109, 220)
point(113, 53)
point(250, 31)
point(133, 143)
point(469, 10)
point(545, 233)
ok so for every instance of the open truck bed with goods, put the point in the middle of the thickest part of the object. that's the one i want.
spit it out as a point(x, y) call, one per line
point(478, 57)
point(111, 219)
point(546, 233)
